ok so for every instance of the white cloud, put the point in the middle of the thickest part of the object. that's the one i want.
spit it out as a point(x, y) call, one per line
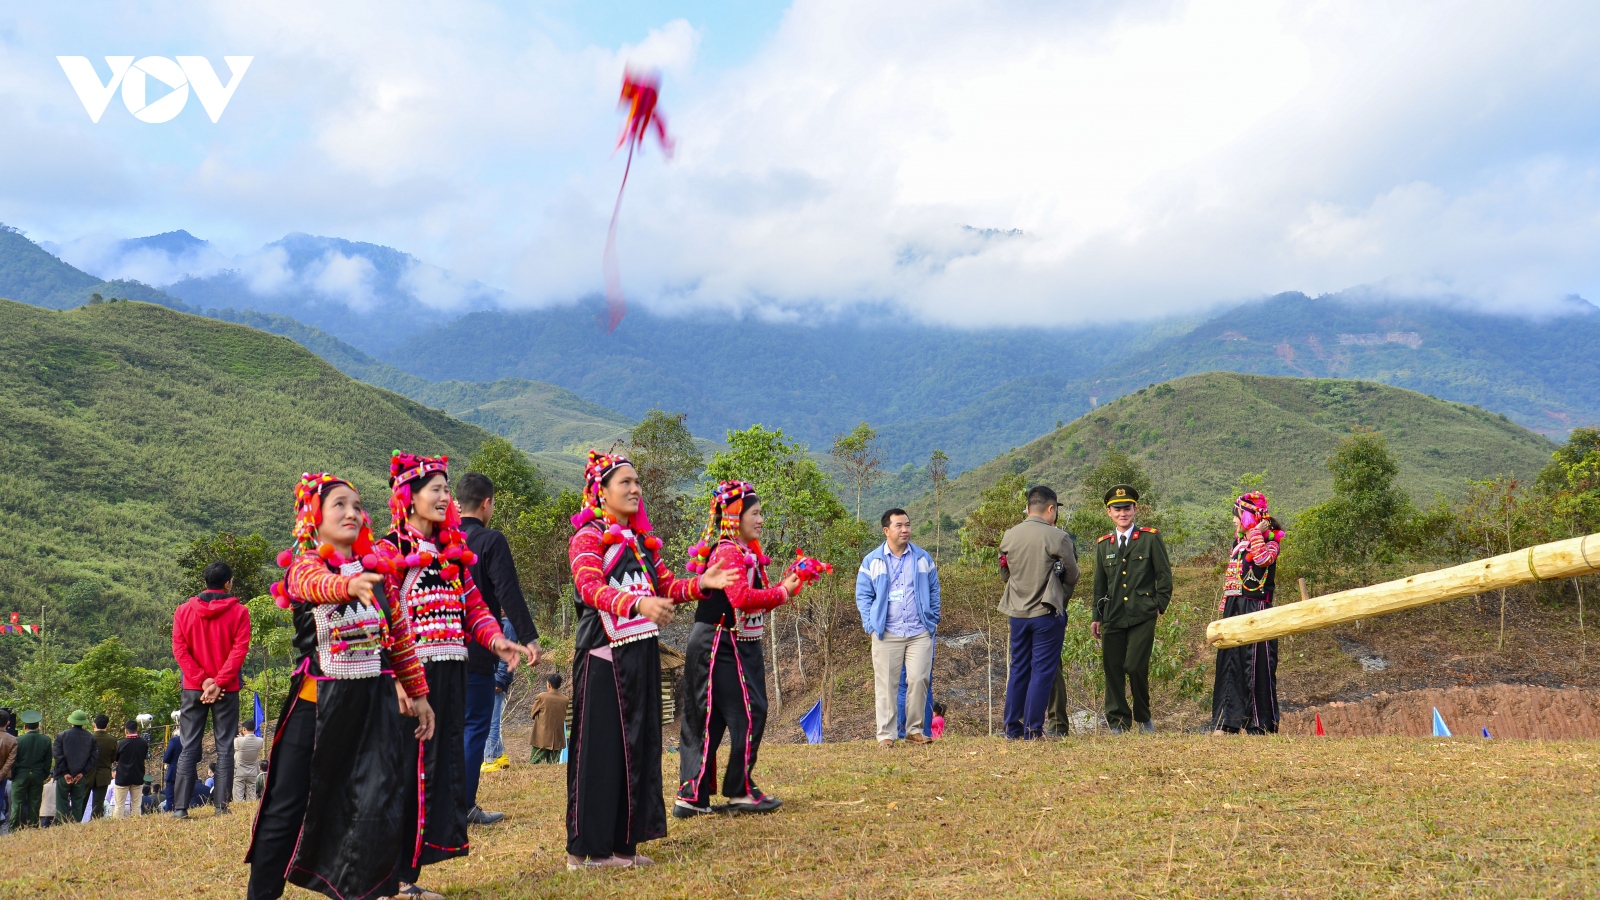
point(347, 279)
point(1155, 156)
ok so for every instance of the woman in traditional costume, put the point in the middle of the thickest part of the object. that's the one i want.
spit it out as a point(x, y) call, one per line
point(327, 818)
point(1245, 696)
point(433, 584)
point(724, 675)
point(624, 593)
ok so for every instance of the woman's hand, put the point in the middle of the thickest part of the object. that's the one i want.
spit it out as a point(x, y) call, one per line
point(361, 586)
point(511, 654)
point(656, 609)
point(424, 713)
point(791, 582)
point(405, 701)
point(716, 578)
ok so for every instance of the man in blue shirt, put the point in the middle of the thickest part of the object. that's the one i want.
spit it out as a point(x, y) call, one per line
point(897, 594)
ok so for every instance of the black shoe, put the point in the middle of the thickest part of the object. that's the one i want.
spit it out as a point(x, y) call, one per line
point(224, 811)
point(759, 803)
point(478, 817)
point(1147, 727)
point(1117, 729)
point(180, 814)
point(683, 809)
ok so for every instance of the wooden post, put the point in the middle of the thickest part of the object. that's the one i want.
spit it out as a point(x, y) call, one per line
point(1558, 559)
point(1303, 595)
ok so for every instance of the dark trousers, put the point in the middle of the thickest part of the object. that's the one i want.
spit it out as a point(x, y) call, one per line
point(5, 804)
point(1035, 660)
point(97, 801)
point(27, 791)
point(900, 702)
point(283, 802)
point(725, 694)
point(72, 799)
point(1126, 656)
point(480, 717)
point(1056, 718)
point(192, 714)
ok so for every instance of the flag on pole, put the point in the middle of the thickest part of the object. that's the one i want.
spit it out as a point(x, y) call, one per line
point(1439, 728)
point(261, 714)
point(811, 722)
point(1320, 732)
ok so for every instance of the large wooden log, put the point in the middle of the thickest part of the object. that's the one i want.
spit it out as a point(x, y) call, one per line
point(1559, 559)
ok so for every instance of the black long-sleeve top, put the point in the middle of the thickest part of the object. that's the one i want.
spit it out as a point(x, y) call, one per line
point(76, 752)
point(496, 576)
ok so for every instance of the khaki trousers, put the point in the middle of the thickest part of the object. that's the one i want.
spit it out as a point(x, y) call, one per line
point(244, 784)
point(125, 801)
point(889, 654)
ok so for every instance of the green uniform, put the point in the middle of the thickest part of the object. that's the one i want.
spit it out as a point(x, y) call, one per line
point(27, 778)
point(1132, 587)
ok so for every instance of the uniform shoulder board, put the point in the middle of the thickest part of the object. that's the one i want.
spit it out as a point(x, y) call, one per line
point(1103, 537)
point(1151, 530)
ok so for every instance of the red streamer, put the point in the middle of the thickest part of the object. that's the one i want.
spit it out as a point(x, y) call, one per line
point(640, 91)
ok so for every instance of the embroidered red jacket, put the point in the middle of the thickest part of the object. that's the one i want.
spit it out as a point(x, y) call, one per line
point(310, 582)
point(741, 595)
point(586, 553)
point(477, 621)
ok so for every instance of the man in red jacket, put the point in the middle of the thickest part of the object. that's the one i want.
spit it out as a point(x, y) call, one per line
point(210, 637)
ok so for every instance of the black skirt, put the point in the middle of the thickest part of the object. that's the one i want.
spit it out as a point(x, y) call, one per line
point(1245, 694)
point(444, 772)
point(614, 789)
point(358, 769)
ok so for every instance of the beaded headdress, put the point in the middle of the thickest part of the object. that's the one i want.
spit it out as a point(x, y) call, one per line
point(1252, 507)
point(406, 471)
point(728, 502)
point(309, 492)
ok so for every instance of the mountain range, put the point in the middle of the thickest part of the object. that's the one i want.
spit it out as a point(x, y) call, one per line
point(974, 393)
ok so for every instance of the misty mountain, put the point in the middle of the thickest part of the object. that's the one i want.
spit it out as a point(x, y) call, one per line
point(999, 387)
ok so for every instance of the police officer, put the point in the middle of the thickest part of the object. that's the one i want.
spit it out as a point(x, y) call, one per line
point(1132, 586)
point(29, 771)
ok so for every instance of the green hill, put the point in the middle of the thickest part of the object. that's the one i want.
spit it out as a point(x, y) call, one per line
point(128, 430)
point(1196, 435)
point(552, 425)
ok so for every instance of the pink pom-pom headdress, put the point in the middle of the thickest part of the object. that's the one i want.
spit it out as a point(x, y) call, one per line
point(728, 503)
point(309, 492)
point(1252, 508)
point(406, 472)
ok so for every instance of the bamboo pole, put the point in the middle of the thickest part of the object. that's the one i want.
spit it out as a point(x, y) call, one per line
point(1558, 559)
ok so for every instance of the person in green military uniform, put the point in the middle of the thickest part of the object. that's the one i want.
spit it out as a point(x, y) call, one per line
point(28, 773)
point(76, 754)
point(1132, 587)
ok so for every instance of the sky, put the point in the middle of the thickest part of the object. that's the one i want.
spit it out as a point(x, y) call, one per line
point(972, 163)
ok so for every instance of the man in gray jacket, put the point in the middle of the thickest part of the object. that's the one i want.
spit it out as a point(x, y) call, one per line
point(1040, 568)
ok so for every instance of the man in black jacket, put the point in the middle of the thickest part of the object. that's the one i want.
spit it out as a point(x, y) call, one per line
point(76, 754)
point(496, 576)
point(132, 751)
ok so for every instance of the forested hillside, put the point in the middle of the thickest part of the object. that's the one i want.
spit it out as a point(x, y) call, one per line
point(1196, 436)
point(128, 430)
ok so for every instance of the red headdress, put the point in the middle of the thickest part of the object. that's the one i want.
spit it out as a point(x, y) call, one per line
point(407, 471)
point(599, 467)
point(1252, 507)
point(728, 503)
point(309, 492)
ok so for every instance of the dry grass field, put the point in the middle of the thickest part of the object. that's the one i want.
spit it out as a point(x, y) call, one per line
point(1163, 816)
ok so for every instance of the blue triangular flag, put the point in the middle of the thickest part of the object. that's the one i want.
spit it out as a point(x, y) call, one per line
point(261, 714)
point(1487, 734)
point(811, 722)
point(1439, 728)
